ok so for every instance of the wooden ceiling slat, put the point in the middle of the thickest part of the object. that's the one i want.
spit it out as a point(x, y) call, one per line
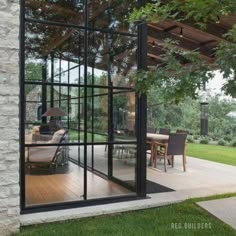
point(183, 42)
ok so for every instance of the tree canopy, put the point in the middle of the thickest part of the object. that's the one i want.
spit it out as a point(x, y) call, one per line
point(173, 78)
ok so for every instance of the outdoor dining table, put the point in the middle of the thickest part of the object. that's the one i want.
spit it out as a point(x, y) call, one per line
point(152, 138)
point(157, 137)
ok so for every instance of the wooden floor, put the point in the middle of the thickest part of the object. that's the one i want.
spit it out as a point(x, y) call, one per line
point(54, 188)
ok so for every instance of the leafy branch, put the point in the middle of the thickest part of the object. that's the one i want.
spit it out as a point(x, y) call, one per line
point(174, 79)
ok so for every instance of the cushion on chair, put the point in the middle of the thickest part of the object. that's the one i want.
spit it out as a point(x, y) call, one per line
point(42, 154)
point(56, 138)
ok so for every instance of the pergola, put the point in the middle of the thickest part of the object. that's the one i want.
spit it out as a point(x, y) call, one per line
point(61, 32)
point(188, 37)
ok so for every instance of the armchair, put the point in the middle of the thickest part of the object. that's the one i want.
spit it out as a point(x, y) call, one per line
point(48, 155)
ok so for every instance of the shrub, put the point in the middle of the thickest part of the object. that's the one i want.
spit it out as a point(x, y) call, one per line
point(204, 141)
point(215, 136)
point(221, 142)
point(190, 140)
point(196, 137)
point(233, 143)
point(228, 138)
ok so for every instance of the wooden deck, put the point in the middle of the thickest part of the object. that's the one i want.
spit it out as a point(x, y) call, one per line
point(55, 188)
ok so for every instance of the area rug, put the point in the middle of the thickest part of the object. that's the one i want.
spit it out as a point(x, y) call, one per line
point(153, 187)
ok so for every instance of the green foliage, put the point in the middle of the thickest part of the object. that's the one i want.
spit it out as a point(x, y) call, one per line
point(228, 138)
point(172, 78)
point(233, 143)
point(33, 72)
point(202, 11)
point(196, 137)
point(182, 80)
point(221, 142)
point(190, 139)
point(226, 61)
point(198, 11)
point(186, 115)
point(153, 12)
point(204, 140)
point(219, 123)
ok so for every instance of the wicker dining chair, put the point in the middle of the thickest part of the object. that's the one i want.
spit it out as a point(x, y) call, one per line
point(164, 131)
point(151, 130)
point(175, 146)
point(180, 131)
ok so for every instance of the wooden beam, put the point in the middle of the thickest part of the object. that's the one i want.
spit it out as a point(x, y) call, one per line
point(183, 42)
point(161, 45)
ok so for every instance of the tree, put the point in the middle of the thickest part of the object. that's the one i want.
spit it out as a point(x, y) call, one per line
point(171, 77)
point(33, 72)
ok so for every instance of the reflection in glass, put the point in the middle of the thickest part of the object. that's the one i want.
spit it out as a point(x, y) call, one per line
point(124, 163)
point(111, 15)
point(50, 177)
point(59, 11)
point(73, 118)
point(124, 115)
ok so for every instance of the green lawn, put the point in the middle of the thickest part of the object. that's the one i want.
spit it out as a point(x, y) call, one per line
point(73, 135)
point(157, 221)
point(221, 154)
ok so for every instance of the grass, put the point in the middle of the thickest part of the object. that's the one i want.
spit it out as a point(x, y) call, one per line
point(221, 154)
point(156, 221)
point(73, 135)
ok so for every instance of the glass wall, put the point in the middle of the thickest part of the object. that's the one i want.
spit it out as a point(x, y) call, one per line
point(79, 103)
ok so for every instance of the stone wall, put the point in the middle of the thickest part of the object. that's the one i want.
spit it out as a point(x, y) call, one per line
point(9, 117)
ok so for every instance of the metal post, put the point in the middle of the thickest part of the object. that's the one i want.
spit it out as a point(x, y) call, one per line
point(52, 80)
point(141, 117)
point(44, 90)
point(110, 110)
point(85, 96)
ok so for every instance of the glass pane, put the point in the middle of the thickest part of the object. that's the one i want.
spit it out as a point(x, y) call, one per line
point(123, 60)
point(53, 49)
point(101, 186)
point(51, 177)
point(98, 58)
point(112, 57)
point(59, 11)
point(124, 163)
point(97, 115)
point(101, 158)
point(124, 115)
point(111, 15)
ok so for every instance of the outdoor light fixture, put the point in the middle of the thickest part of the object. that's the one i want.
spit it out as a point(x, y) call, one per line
point(204, 113)
point(181, 35)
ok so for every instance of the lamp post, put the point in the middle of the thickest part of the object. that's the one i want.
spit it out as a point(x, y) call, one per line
point(204, 113)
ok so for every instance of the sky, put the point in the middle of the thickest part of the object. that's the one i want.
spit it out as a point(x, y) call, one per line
point(214, 86)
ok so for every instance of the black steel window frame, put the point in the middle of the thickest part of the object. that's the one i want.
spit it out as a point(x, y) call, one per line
point(140, 118)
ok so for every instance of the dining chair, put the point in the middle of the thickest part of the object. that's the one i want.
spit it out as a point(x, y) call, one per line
point(182, 131)
point(164, 131)
point(149, 145)
point(151, 130)
point(175, 146)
